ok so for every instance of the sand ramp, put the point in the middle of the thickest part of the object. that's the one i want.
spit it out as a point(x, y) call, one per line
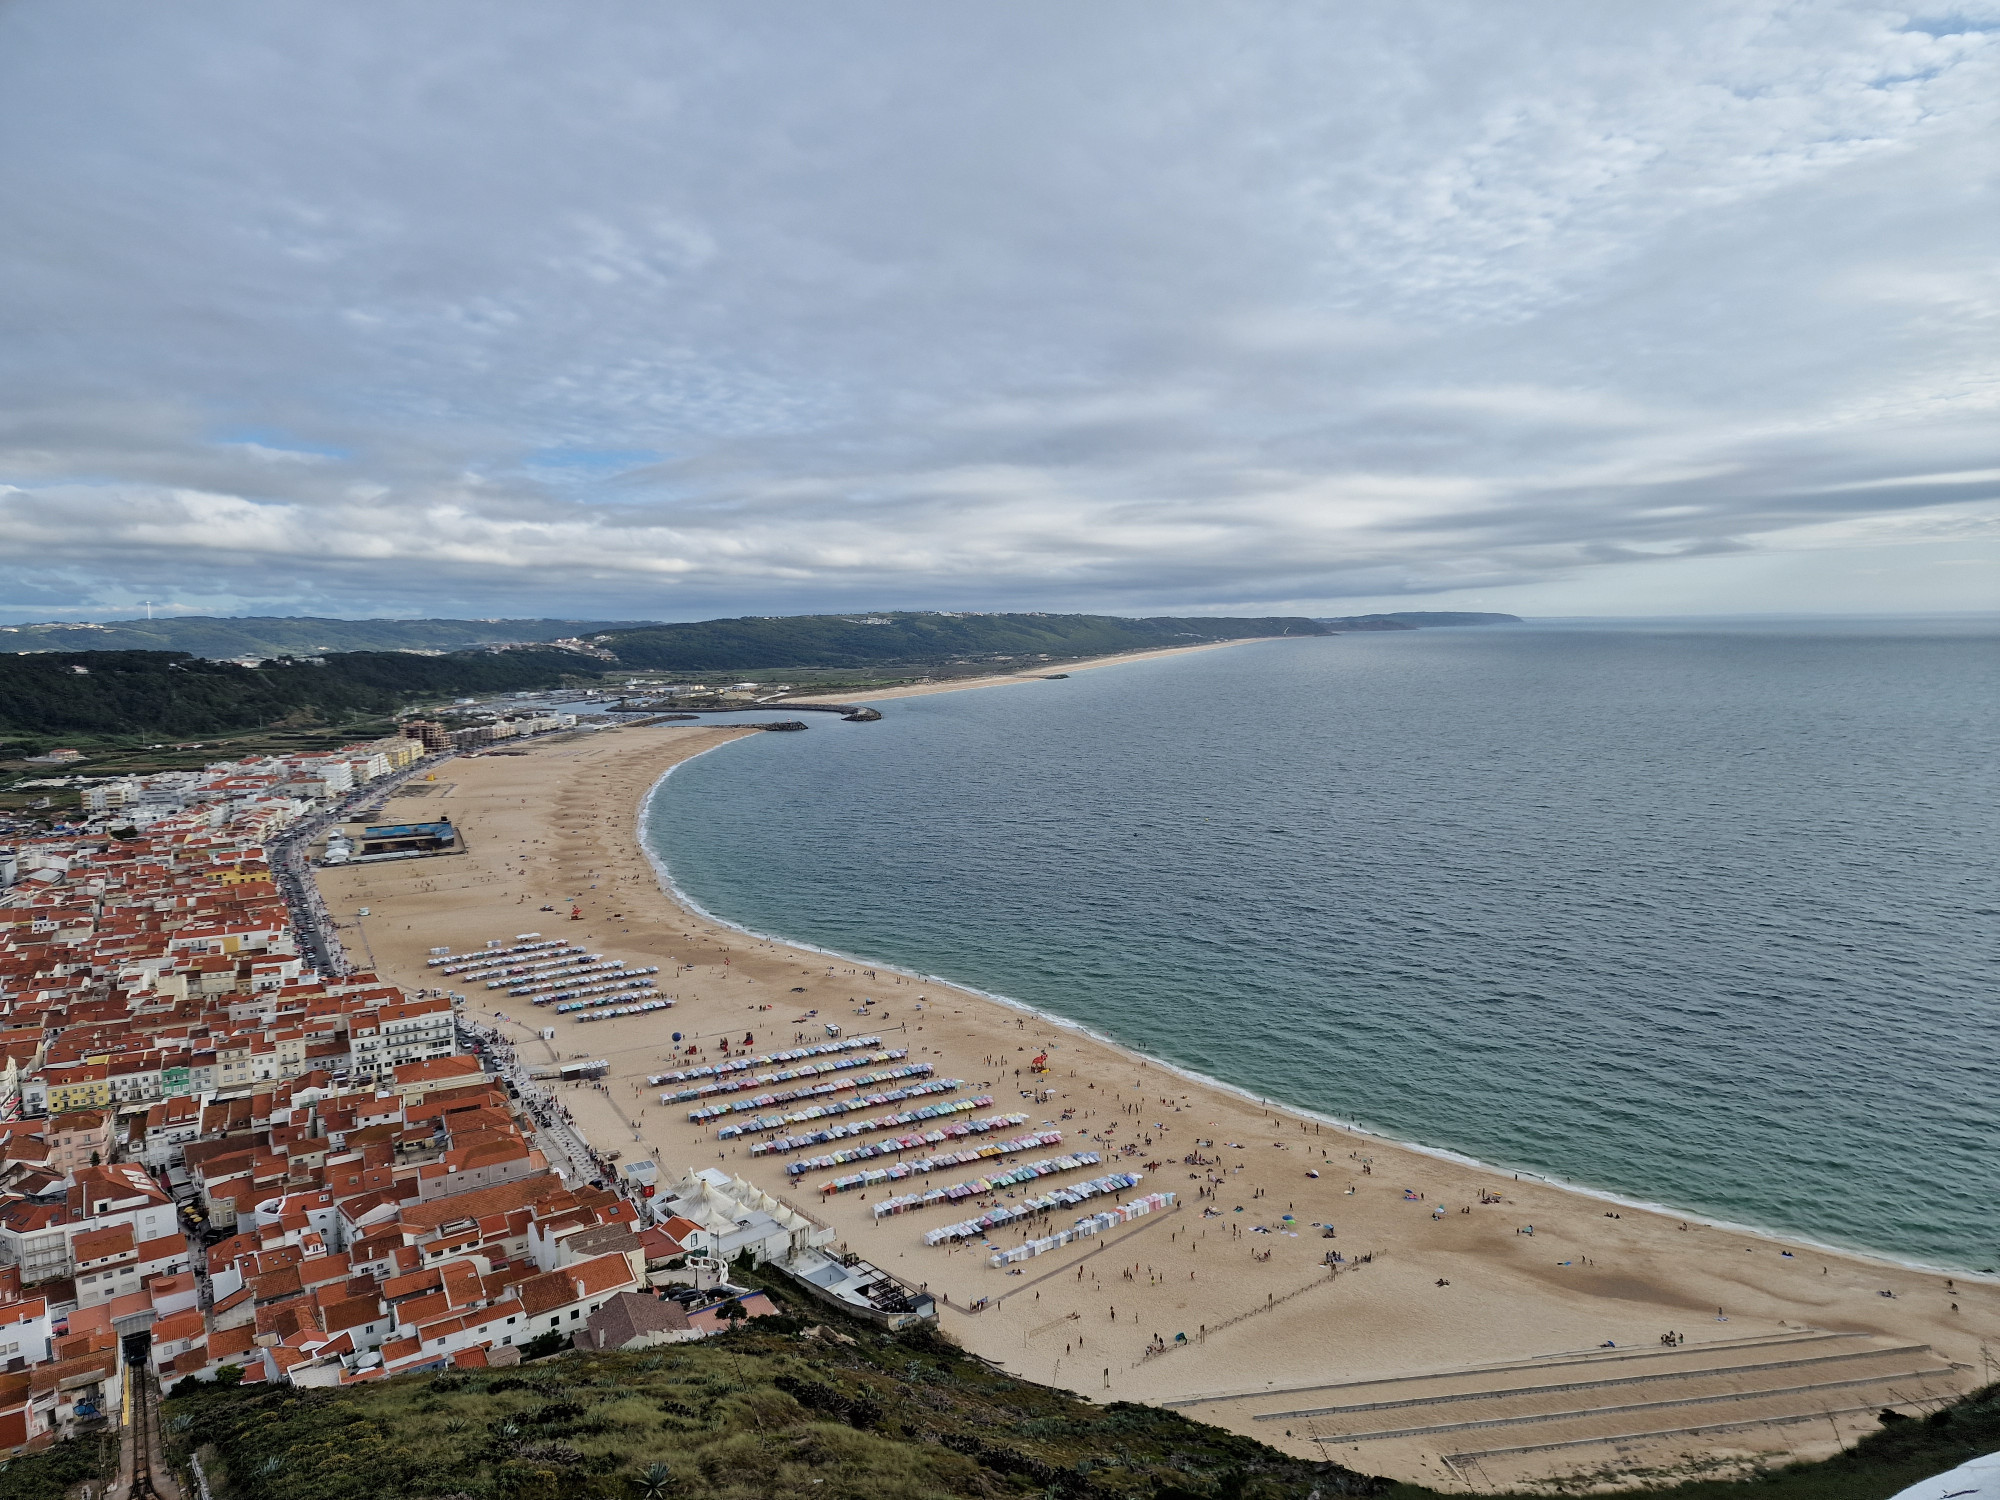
point(1629, 1406)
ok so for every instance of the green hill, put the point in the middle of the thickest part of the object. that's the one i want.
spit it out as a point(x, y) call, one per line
point(911, 637)
point(752, 1415)
point(765, 1412)
point(84, 696)
point(750, 642)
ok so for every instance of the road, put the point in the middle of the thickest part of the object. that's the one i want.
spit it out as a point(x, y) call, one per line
point(556, 1132)
point(318, 938)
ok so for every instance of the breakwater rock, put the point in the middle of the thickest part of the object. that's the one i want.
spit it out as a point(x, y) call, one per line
point(854, 713)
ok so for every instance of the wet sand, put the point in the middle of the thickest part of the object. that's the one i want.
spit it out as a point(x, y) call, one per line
point(554, 824)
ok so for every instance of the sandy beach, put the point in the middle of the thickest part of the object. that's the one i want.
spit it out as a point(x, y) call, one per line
point(1422, 1354)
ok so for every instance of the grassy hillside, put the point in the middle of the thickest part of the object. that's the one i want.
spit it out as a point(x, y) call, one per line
point(277, 635)
point(127, 695)
point(860, 640)
point(765, 1412)
point(755, 1414)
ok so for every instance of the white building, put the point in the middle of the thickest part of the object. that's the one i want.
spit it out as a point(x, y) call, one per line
point(741, 1216)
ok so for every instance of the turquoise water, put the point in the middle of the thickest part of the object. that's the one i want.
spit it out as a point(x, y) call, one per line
point(1701, 915)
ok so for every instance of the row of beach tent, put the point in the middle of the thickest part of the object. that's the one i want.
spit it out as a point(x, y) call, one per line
point(864, 1127)
point(1026, 1172)
point(492, 958)
point(1010, 1213)
point(597, 994)
point(832, 1086)
point(500, 975)
point(1097, 1223)
point(542, 984)
point(912, 1142)
point(570, 958)
point(645, 1007)
point(785, 1075)
point(741, 1064)
point(842, 1107)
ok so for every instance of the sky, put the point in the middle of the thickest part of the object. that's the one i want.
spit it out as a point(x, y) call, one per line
point(632, 310)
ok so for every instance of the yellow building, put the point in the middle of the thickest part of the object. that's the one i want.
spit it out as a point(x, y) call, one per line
point(86, 1086)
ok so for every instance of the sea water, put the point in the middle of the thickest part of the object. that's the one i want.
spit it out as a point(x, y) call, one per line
point(1694, 913)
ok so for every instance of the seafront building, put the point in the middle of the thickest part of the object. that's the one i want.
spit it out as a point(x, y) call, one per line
point(216, 1135)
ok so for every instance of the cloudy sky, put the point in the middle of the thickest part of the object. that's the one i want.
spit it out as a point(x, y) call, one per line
point(677, 310)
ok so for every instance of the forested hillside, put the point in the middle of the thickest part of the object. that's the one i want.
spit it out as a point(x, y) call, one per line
point(171, 695)
point(865, 640)
point(183, 693)
point(741, 644)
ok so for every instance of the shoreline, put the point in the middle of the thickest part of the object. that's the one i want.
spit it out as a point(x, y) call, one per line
point(679, 893)
point(565, 824)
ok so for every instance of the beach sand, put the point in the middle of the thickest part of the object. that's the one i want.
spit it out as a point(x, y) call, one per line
point(1268, 1328)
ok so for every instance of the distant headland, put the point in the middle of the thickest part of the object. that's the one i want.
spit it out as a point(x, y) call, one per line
point(861, 636)
point(1417, 619)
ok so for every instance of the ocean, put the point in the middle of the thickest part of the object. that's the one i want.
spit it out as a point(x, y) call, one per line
point(1694, 913)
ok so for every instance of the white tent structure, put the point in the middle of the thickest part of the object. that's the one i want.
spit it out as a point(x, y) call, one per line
point(741, 1216)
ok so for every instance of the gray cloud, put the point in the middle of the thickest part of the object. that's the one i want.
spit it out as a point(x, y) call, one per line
point(699, 309)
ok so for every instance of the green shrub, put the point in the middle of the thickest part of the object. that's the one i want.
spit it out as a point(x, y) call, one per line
point(51, 1474)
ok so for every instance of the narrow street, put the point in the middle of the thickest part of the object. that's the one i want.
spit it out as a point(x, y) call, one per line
point(319, 939)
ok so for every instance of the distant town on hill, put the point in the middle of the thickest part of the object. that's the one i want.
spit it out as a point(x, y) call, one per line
point(222, 638)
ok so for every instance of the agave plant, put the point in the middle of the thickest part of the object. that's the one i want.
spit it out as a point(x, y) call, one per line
point(656, 1481)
